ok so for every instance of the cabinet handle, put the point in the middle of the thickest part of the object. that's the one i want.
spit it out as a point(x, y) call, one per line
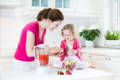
point(107, 58)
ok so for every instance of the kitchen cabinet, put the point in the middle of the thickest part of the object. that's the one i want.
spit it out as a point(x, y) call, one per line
point(10, 2)
point(104, 61)
point(107, 63)
point(88, 7)
point(68, 7)
point(5, 64)
point(98, 61)
point(86, 57)
point(113, 64)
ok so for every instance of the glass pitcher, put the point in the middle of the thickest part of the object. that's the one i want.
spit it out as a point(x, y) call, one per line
point(43, 56)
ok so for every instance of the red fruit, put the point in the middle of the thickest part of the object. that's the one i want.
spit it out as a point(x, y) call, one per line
point(68, 72)
point(60, 73)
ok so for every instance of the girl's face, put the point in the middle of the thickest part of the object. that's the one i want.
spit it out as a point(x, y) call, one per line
point(53, 25)
point(67, 34)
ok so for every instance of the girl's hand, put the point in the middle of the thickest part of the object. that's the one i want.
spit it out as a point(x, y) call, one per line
point(72, 52)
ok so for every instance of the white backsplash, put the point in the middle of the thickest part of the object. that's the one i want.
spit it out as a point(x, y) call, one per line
point(12, 24)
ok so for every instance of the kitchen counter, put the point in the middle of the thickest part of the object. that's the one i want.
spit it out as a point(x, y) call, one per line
point(87, 74)
point(102, 51)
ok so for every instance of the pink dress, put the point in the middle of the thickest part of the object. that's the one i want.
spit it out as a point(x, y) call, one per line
point(76, 46)
point(20, 53)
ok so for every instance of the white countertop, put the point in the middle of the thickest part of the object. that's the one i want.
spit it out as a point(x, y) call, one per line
point(87, 74)
point(102, 51)
point(99, 50)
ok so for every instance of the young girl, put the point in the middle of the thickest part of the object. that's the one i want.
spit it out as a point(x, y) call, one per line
point(71, 51)
point(71, 47)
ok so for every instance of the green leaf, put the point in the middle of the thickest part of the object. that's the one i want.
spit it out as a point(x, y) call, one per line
point(90, 35)
point(112, 35)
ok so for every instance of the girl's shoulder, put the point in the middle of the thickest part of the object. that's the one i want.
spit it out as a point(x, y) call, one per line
point(63, 41)
point(76, 40)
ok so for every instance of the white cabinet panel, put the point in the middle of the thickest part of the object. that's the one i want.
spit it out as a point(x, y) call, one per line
point(106, 63)
point(88, 6)
point(86, 57)
point(113, 64)
point(5, 64)
point(10, 2)
point(98, 61)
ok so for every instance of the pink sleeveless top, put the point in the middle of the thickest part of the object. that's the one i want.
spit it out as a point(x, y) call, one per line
point(20, 53)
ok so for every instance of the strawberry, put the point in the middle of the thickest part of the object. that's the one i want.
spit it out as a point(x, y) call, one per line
point(68, 72)
point(60, 73)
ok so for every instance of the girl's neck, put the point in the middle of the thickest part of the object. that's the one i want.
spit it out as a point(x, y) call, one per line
point(70, 40)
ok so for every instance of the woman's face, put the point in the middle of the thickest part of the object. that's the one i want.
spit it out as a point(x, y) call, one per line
point(53, 25)
point(67, 34)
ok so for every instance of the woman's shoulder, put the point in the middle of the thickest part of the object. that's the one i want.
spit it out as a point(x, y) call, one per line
point(33, 23)
point(32, 26)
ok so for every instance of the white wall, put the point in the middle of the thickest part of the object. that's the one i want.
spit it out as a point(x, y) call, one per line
point(88, 6)
point(78, 21)
point(11, 24)
point(10, 2)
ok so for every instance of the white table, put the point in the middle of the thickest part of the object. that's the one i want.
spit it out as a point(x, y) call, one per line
point(87, 74)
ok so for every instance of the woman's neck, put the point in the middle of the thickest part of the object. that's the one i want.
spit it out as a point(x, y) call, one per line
point(42, 24)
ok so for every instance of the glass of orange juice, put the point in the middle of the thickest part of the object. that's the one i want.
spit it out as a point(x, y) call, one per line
point(43, 56)
point(43, 59)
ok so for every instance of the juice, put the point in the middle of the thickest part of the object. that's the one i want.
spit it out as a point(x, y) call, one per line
point(43, 59)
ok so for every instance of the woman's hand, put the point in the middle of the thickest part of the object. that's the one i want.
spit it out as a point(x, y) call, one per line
point(60, 54)
point(55, 51)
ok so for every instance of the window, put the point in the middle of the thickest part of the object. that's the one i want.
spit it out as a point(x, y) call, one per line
point(41, 3)
point(54, 3)
point(62, 3)
point(116, 14)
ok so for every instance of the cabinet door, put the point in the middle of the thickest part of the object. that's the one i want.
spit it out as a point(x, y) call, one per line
point(10, 2)
point(98, 61)
point(107, 63)
point(5, 64)
point(113, 64)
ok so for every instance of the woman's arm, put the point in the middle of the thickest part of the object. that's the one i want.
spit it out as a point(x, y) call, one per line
point(55, 51)
point(30, 49)
point(30, 39)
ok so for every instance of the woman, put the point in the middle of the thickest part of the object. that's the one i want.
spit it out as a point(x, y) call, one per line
point(33, 34)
